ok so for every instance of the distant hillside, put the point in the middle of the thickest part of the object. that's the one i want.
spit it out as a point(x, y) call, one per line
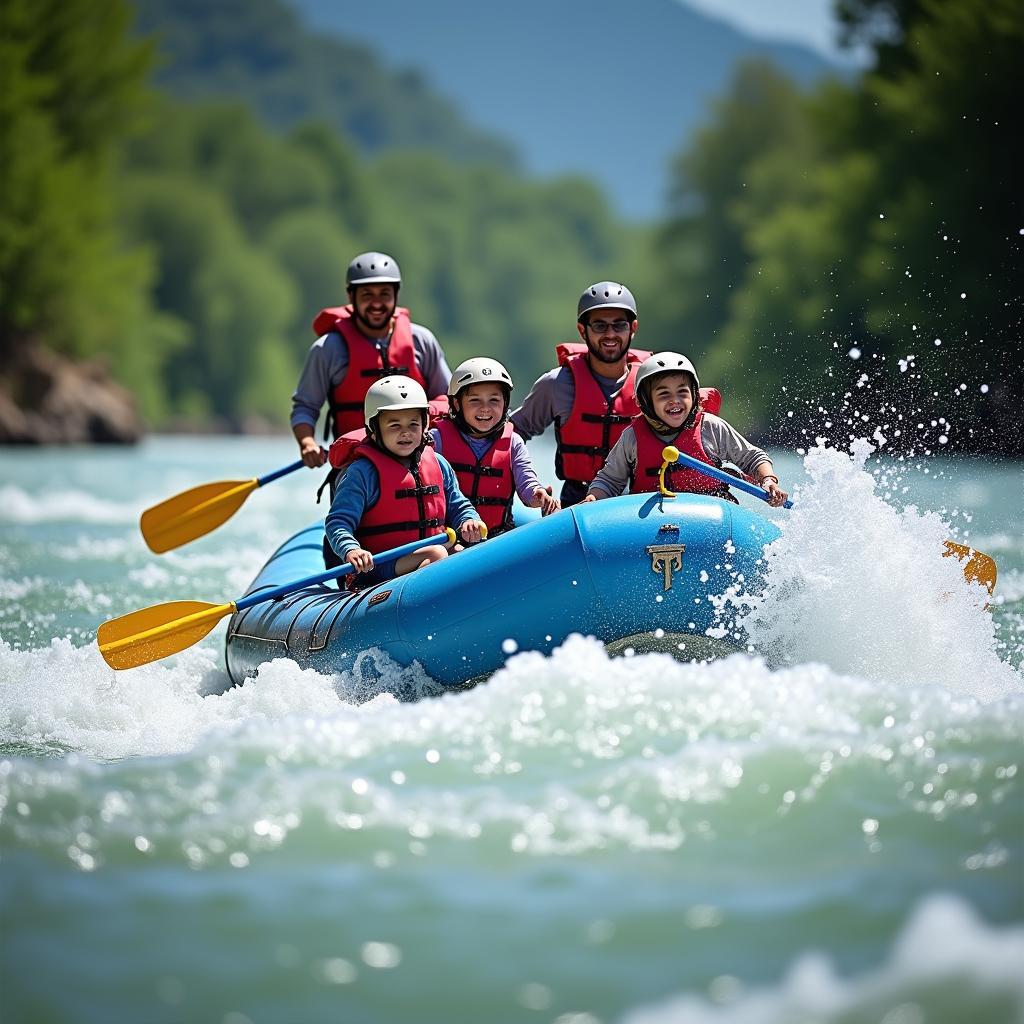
point(562, 79)
point(260, 52)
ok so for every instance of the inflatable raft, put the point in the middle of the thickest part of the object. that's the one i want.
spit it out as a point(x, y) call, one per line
point(634, 570)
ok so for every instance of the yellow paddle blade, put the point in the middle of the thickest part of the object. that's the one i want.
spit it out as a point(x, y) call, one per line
point(158, 632)
point(193, 513)
point(977, 566)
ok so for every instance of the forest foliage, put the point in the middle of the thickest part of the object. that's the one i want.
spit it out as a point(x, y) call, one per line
point(190, 242)
point(864, 239)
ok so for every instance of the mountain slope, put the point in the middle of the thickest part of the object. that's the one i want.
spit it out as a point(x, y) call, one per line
point(564, 79)
point(258, 51)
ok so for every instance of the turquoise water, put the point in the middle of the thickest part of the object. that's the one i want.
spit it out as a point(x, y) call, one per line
point(833, 831)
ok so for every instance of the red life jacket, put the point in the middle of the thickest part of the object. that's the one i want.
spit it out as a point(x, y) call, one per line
point(679, 478)
point(412, 503)
point(487, 481)
point(343, 449)
point(595, 423)
point(710, 400)
point(365, 364)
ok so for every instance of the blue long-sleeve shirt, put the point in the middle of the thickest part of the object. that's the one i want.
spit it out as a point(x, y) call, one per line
point(359, 490)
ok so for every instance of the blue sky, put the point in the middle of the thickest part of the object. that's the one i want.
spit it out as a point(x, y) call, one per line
point(805, 21)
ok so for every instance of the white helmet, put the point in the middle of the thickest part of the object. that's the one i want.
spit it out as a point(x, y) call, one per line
point(652, 366)
point(391, 393)
point(479, 370)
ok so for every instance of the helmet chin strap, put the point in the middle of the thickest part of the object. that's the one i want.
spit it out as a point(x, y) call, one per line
point(659, 426)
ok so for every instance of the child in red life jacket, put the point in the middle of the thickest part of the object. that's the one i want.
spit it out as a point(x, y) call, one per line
point(395, 489)
point(490, 459)
point(668, 393)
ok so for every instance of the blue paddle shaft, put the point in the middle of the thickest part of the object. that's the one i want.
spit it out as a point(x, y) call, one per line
point(278, 473)
point(726, 478)
point(332, 574)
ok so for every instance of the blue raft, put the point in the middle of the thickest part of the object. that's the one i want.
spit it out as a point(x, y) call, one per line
point(636, 570)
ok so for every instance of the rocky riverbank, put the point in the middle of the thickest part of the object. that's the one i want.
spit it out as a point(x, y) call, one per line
point(46, 398)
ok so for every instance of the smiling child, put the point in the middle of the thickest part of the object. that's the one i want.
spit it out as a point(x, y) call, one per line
point(395, 488)
point(490, 460)
point(668, 392)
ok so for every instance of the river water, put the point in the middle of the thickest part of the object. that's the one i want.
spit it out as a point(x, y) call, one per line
point(829, 830)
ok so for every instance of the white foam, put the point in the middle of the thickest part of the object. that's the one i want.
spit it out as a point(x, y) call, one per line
point(18, 590)
point(553, 756)
point(98, 549)
point(1011, 586)
point(55, 506)
point(66, 697)
point(865, 588)
point(944, 953)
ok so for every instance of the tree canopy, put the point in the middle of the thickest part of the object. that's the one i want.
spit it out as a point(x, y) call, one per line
point(860, 239)
point(865, 230)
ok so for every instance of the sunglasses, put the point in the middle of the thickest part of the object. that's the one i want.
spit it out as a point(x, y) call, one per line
point(603, 326)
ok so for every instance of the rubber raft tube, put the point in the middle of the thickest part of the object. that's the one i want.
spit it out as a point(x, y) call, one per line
point(624, 570)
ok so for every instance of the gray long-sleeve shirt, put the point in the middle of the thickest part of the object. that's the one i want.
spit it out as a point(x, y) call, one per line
point(327, 364)
point(720, 440)
point(551, 399)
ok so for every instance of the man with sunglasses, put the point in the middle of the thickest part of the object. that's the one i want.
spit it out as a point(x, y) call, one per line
point(589, 396)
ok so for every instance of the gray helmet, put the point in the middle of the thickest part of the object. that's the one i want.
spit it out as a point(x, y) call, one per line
point(392, 393)
point(373, 268)
point(605, 295)
point(479, 370)
point(653, 366)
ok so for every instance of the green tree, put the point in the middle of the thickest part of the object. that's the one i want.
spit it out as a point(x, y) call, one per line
point(703, 249)
point(228, 300)
point(877, 215)
point(71, 85)
point(313, 249)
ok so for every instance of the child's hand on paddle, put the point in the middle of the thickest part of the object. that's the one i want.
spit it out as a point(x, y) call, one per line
point(776, 495)
point(360, 559)
point(473, 532)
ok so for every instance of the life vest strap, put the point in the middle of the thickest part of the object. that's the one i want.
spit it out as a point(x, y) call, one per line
point(415, 492)
point(584, 449)
point(475, 469)
point(412, 524)
point(377, 372)
point(610, 417)
point(332, 475)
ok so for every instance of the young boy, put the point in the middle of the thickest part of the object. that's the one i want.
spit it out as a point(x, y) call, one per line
point(395, 488)
point(490, 459)
point(668, 392)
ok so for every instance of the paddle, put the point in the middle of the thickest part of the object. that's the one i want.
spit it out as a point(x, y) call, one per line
point(673, 455)
point(978, 567)
point(150, 634)
point(196, 512)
